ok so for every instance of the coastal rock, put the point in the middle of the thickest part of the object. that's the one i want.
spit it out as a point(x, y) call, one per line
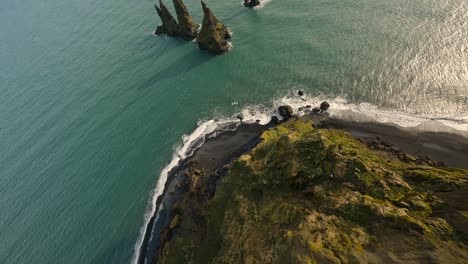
point(213, 35)
point(286, 111)
point(169, 24)
point(251, 3)
point(274, 120)
point(187, 28)
point(324, 106)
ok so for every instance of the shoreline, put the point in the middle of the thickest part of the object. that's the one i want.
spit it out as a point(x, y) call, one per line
point(211, 159)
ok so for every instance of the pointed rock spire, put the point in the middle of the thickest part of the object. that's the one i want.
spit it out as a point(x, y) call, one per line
point(169, 24)
point(187, 28)
point(213, 35)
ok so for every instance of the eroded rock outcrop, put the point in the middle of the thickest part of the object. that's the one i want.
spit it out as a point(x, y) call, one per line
point(214, 34)
point(251, 3)
point(169, 24)
point(187, 28)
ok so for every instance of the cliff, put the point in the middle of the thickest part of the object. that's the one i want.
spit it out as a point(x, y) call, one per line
point(309, 195)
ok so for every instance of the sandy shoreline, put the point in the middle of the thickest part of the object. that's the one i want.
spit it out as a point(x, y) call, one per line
point(217, 152)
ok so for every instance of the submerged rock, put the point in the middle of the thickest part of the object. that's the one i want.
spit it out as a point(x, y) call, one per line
point(251, 3)
point(286, 111)
point(169, 24)
point(187, 28)
point(213, 35)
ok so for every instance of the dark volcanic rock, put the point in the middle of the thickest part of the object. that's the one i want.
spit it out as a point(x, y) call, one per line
point(213, 35)
point(324, 106)
point(286, 111)
point(169, 24)
point(187, 28)
point(251, 3)
point(300, 93)
point(274, 120)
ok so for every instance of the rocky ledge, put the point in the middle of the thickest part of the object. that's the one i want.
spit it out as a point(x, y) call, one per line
point(318, 195)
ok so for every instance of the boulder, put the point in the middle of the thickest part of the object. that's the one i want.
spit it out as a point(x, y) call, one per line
point(324, 106)
point(169, 24)
point(251, 3)
point(286, 111)
point(187, 28)
point(213, 34)
point(274, 120)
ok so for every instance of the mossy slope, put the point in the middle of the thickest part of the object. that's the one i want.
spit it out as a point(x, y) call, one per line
point(308, 195)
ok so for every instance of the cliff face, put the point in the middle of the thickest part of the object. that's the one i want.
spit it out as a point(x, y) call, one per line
point(306, 195)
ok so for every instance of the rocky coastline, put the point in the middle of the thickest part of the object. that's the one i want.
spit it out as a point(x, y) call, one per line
point(396, 183)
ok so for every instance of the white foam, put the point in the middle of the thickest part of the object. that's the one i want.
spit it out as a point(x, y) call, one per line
point(365, 112)
point(262, 4)
point(339, 108)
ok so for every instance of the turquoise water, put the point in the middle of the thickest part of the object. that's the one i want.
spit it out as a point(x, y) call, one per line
point(92, 104)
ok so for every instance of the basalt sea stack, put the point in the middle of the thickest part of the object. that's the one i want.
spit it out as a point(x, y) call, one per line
point(187, 28)
point(213, 35)
point(169, 24)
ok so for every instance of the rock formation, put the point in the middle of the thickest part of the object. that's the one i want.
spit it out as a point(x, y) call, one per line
point(187, 28)
point(286, 111)
point(213, 35)
point(251, 3)
point(169, 24)
point(324, 106)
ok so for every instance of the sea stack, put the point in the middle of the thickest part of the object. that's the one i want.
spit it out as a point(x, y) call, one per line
point(213, 35)
point(169, 24)
point(251, 3)
point(187, 28)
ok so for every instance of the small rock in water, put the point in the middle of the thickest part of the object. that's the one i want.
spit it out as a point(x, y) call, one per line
point(240, 117)
point(251, 3)
point(286, 111)
point(300, 93)
point(324, 106)
point(301, 108)
point(258, 120)
point(308, 106)
point(316, 110)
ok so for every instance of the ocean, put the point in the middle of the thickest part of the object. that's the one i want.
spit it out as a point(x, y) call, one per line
point(94, 109)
